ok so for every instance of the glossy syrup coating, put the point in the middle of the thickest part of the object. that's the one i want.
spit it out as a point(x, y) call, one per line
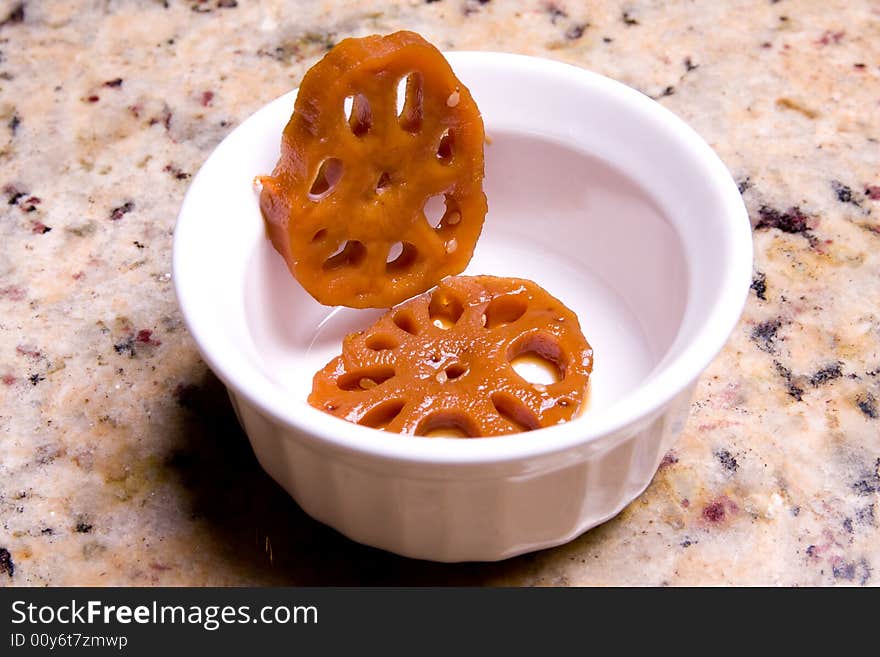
point(442, 361)
point(345, 205)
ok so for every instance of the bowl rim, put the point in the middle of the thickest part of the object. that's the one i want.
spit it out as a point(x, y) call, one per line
point(644, 402)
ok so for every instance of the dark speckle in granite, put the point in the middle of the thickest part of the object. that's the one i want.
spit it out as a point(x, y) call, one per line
point(28, 350)
point(764, 335)
point(727, 460)
point(628, 20)
point(176, 172)
point(844, 570)
point(859, 571)
point(14, 122)
point(15, 16)
point(164, 117)
point(873, 192)
point(126, 345)
point(6, 565)
point(120, 211)
point(472, 6)
point(83, 527)
point(145, 336)
point(13, 194)
point(868, 406)
point(714, 512)
point(12, 292)
point(36, 378)
point(743, 185)
point(115, 83)
point(865, 516)
point(828, 37)
point(669, 459)
point(827, 373)
point(869, 483)
point(794, 390)
point(844, 193)
point(791, 221)
point(690, 66)
point(759, 285)
point(555, 11)
point(576, 31)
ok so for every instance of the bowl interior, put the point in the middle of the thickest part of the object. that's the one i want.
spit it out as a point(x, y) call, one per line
point(566, 219)
point(595, 192)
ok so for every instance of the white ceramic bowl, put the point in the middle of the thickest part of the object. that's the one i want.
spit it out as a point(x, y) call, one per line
point(597, 193)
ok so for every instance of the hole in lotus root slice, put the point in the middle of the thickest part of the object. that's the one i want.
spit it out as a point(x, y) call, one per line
point(538, 359)
point(448, 423)
point(406, 321)
point(445, 309)
point(410, 102)
point(452, 216)
point(401, 257)
point(514, 411)
point(383, 183)
point(349, 254)
point(382, 414)
point(327, 177)
point(446, 147)
point(365, 379)
point(435, 209)
point(443, 214)
point(358, 114)
point(381, 342)
point(506, 309)
point(455, 371)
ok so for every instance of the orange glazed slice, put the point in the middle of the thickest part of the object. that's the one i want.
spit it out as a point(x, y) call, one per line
point(346, 203)
point(442, 361)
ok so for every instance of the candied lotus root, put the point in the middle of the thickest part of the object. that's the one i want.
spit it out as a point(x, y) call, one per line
point(378, 192)
point(442, 361)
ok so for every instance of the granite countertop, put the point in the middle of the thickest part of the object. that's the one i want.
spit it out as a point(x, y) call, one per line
point(120, 458)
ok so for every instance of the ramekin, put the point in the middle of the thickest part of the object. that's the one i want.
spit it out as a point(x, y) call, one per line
point(597, 193)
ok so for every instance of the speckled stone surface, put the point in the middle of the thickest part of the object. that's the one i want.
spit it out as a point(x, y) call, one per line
point(120, 460)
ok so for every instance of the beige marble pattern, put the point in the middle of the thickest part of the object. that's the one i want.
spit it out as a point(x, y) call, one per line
point(120, 461)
